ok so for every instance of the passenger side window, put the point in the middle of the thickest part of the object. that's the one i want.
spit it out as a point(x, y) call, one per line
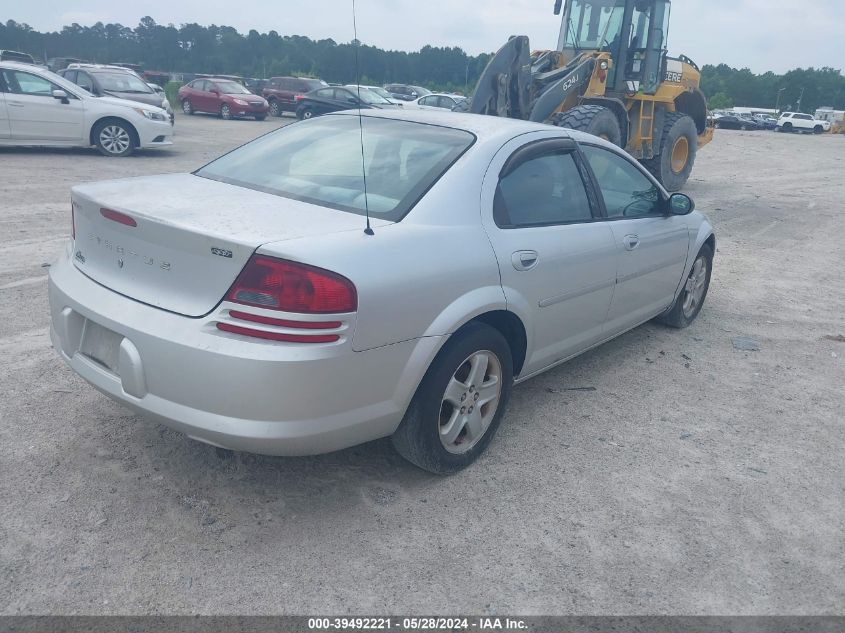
point(626, 191)
point(23, 83)
point(546, 189)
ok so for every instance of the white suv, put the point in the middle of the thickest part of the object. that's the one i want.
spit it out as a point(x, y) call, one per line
point(798, 122)
point(37, 107)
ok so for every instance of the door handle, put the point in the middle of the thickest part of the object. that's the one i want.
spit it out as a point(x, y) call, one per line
point(631, 242)
point(525, 260)
point(16, 104)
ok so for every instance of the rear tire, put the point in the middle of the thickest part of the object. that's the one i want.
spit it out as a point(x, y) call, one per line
point(592, 119)
point(678, 147)
point(450, 421)
point(691, 298)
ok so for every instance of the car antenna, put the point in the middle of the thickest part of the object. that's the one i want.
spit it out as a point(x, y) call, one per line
point(357, 45)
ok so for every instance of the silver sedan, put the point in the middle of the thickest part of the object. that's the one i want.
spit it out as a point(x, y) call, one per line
point(278, 302)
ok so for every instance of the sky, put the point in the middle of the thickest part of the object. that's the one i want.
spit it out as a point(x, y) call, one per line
point(762, 35)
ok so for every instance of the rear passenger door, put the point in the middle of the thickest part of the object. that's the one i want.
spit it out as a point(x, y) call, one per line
point(556, 255)
point(651, 245)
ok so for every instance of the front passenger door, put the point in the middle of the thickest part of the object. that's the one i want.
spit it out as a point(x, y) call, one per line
point(35, 115)
point(651, 245)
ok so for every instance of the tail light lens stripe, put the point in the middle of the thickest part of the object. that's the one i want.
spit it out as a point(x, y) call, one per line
point(299, 325)
point(278, 336)
point(117, 216)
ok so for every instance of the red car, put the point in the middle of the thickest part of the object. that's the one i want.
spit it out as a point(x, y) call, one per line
point(221, 96)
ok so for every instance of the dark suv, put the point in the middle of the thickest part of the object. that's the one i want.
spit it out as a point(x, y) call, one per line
point(406, 93)
point(115, 81)
point(281, 92)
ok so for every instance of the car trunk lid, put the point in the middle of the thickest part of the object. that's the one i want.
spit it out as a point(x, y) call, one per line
point(178, 242)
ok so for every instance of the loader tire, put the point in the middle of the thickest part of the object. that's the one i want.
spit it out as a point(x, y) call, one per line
point(678, 146)
point(593, 119)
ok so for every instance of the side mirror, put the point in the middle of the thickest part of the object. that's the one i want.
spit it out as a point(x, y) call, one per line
point(61, 95)
point(680, 204)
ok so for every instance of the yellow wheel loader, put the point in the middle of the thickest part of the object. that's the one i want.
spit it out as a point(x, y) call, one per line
point(610, 76)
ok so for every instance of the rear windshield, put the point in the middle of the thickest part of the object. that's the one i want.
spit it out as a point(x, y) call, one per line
point(320, 161)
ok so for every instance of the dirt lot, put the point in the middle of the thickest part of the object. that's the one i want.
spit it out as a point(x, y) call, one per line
point(691, 477)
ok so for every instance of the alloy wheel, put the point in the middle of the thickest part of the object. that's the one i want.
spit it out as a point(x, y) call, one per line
point(695, 286)
point(115, 139)
point(225, 112)
point(470, 401)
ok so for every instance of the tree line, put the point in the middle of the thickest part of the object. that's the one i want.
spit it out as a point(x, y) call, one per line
point(223, 50)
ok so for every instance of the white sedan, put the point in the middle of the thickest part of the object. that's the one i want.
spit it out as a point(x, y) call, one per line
point(436, 101)
point(277, 301)
point(39, 108)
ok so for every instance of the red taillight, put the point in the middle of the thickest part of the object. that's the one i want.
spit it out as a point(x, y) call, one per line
point(298, 97)
point(117, 216)
point(276, 284)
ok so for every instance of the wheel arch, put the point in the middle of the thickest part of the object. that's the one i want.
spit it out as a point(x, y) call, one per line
point(512, 328)
point(694, 104)
point(131, 128)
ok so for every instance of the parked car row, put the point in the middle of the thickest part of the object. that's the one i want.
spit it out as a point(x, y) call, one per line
point(788, 122)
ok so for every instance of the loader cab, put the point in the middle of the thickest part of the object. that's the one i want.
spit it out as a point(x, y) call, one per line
point(633, 31)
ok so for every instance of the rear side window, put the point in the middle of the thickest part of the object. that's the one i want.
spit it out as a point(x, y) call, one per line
point(544, 190)
point(626, 190)
point(320, 162)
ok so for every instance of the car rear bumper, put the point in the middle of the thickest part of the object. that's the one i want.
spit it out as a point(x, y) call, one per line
point(228, 390)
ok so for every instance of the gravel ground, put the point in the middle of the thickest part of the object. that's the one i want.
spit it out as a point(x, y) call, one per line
point(665, 472)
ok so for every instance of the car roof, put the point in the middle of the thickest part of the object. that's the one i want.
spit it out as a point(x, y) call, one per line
point(483, 126)
point(22, 66)
point(444, 94)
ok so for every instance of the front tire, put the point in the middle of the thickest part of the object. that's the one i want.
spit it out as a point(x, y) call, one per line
point(305, 114)
point(678, 149)
point(275, 108)
point(114, 138)
point(593, 119)
point(225, 112)
point(460, 402)
point(260, 117)
point(818, 129)
point(187, 108)
point(691, 298)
